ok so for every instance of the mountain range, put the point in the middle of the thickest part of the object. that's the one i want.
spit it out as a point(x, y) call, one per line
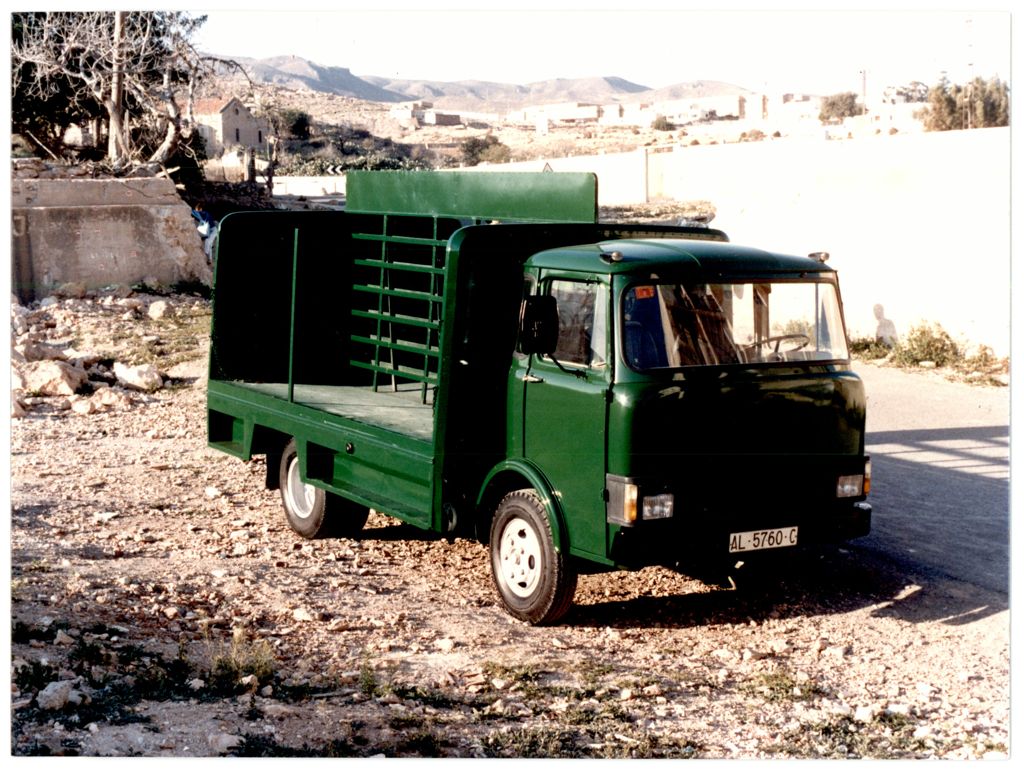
point(296, 73)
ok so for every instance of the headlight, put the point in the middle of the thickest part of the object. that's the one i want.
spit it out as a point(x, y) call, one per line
point(658, 506)
point(850, 486)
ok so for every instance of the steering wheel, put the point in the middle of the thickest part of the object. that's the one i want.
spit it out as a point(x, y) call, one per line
point(780, 339)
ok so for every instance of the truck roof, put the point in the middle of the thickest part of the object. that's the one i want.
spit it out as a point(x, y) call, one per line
point(642, 255)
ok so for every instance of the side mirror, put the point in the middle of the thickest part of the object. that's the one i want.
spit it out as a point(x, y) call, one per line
point(538, 325)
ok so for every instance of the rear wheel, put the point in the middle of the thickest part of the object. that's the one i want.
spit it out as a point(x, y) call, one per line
point(312, 512)
point(535, 582)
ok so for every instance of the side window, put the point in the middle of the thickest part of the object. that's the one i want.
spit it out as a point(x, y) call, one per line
point(582, 323)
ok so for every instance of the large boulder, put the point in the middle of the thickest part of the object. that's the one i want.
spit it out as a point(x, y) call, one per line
point(144, 377)
point(52, 378)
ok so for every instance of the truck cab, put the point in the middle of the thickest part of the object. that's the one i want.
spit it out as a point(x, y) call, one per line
point(699, 395)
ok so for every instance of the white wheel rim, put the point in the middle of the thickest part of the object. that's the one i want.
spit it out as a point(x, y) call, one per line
point(301, 496)
point(520, 556)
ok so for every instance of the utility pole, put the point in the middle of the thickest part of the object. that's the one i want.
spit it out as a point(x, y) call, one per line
point(864, 90)
point(969, 100)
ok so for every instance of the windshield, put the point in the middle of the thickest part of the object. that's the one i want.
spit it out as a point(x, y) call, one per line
point(677, 325)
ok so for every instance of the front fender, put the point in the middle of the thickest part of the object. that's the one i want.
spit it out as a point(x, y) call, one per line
point(515, 474)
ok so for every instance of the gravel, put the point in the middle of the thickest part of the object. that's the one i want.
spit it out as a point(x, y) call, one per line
point(161, 607)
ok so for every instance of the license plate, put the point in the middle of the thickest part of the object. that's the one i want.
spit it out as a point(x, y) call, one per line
point(756, 540)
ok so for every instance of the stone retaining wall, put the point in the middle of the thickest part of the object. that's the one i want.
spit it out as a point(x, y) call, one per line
point(98, 232)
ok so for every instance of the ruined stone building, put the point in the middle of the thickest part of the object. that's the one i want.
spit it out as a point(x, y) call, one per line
point(227, 124)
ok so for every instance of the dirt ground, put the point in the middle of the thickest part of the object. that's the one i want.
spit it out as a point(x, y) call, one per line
point(160, 606)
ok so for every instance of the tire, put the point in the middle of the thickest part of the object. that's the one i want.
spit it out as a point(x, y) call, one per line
point(312, 512)
point(535, 583)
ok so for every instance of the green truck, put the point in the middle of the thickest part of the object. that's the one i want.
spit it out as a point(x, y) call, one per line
point(475, 354)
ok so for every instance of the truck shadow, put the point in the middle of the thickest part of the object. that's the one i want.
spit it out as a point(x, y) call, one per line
point(398, 531)
point(938, 550)
point(942, 500)
point(811, 582)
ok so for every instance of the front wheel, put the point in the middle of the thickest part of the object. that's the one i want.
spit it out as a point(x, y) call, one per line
point(535, 582)
point(312, 512)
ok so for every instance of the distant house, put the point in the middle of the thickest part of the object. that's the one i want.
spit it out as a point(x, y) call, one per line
point(227, 124)
point(567, 113)
point(416, 114)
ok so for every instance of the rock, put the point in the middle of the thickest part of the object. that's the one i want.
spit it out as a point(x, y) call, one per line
point(53, 378)
point(864, 714)
point(652, 690)
point(926, 364)
point(221, 743)
point(445, 645)
point(158, 309)
point(196, 684)
point(83, 407)
point(144, 377)
point(62, 638)
point(277, 711)
point(40, 352)
point(56, 695)
point(17, 408)
point(48, 302)
point(212, 492)
point(497, 708)
point(626, 694)
point(74, 289)
point(107, 398)
point(836, 651)
point(779, 646)
point(301, 614)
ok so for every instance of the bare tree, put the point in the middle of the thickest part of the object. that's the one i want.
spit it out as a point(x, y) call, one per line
point(138, 66)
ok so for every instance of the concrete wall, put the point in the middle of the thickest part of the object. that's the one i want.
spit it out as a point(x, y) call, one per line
point(919, 224)
point(99, 232)
point(310, 186)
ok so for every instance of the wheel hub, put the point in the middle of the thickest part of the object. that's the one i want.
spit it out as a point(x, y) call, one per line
point(520, 556)
point(301, 496)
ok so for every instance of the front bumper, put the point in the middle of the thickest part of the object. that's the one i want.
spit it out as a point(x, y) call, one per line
point(706, 538)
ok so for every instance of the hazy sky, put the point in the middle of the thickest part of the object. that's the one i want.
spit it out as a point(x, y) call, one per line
point(652, 43)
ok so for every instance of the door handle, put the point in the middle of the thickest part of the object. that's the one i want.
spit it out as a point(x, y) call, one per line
point(532, 379)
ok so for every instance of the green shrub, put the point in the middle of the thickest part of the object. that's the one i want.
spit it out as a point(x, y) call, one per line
point(242, 658)
point(661, 123)
point(488, 149)
point(868, 348)
point(927, 342)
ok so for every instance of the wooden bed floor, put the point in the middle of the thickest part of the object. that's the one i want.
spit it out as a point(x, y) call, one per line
point(401, 411)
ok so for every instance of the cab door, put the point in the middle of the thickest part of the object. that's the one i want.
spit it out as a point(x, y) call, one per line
point(565, 406)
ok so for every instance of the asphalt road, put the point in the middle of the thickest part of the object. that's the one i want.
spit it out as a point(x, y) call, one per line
point(941, 474)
